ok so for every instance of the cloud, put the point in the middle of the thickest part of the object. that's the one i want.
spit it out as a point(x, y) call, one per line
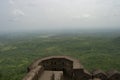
point(11, 2)
point(86, 15)
point(82, 16)
point(15, 12)
point(16, 15)
point(65, 13)
point(18, 12)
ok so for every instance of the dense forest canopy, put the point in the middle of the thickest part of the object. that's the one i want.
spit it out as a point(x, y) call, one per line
point(93, 51)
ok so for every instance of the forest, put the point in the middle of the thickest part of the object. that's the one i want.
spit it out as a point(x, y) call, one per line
point(93, 51)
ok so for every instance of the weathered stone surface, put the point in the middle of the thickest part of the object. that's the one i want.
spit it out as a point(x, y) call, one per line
point(65, 68)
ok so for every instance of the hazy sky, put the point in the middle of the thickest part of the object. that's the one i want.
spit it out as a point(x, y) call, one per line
point(59, 14)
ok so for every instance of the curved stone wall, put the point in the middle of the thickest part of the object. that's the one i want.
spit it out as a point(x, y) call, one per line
point(70, 67)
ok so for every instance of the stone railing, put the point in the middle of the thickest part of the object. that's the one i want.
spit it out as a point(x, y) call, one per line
point(34, 74)
point(77, 72)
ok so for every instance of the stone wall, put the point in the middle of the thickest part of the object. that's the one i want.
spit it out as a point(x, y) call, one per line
point(70, 68)
point(58, 75)
point(57, 64)
point(81, 74)
point(34, 74)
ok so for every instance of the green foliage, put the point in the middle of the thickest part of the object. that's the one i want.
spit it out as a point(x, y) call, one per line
point(93, 52)
point(0, 75)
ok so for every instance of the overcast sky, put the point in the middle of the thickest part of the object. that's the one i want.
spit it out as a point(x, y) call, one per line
point(59, 14)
